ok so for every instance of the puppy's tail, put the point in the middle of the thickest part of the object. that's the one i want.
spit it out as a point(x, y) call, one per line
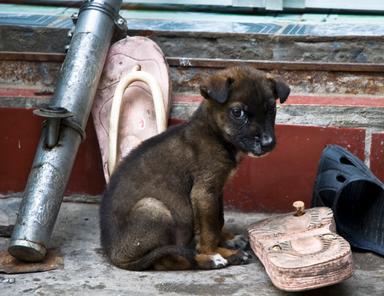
point(148, 260)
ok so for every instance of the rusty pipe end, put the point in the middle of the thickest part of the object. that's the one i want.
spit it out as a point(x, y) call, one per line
point(28, 251)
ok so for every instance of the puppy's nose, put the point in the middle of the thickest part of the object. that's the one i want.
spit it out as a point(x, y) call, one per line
point(266, 140)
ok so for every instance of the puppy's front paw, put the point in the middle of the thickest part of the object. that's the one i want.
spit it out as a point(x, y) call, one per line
point(214, 261)
point(238, 242)
point(239, 258)
point(218, 261)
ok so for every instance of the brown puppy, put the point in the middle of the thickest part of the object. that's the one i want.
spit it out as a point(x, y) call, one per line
point(163, 208)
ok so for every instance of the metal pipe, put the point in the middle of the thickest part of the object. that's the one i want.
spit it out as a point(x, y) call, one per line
point(52, 165)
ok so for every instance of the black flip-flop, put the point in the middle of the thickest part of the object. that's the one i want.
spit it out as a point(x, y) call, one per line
point(347, 186)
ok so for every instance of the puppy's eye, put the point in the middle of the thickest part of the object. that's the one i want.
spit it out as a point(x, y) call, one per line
point(238, 113)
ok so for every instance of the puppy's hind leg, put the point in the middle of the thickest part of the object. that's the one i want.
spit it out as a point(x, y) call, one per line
point(147, 240)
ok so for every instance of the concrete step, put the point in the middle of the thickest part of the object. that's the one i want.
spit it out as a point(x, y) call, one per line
point(305, 125)
point(334, 70)
point(327, 106)
point(28, 71)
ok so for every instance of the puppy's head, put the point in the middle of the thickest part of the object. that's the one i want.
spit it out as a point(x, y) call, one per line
point(242, 104)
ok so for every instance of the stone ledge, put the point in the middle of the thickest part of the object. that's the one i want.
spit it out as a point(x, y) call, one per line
point(358, 49)
point(266, 184)
point(344, 80)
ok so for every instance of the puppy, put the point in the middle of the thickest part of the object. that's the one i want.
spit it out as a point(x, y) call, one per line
point(163, 208)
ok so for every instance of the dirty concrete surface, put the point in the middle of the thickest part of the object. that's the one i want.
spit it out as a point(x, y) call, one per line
point(87, 272)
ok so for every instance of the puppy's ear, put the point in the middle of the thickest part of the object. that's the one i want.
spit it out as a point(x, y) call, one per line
point(216, 88)
point(280, 89)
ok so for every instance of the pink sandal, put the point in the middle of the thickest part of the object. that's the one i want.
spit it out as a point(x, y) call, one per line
point(301, 251)
point(132, 102)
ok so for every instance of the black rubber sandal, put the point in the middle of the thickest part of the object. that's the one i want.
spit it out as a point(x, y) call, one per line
point(338, 158)
point(355, 195)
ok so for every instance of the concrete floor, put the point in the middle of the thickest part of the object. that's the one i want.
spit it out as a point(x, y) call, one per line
point(86, 271)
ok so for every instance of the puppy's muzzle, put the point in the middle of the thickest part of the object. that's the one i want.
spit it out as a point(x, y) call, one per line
point(263, 144)
point(267, 141)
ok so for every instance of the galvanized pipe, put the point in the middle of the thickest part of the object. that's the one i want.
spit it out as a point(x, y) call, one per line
point(74, 92)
